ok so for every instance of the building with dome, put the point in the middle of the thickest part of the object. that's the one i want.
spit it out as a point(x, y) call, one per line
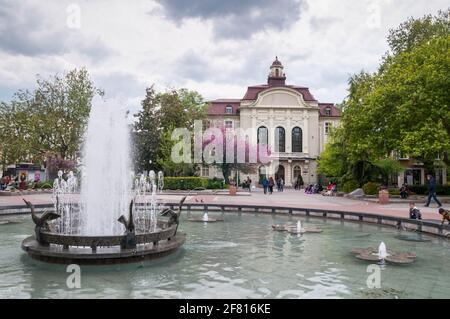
point(287, 118)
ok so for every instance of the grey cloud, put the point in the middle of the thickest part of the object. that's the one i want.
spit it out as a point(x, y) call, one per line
point(26, 29)
point(194, 66)
point(236, 18)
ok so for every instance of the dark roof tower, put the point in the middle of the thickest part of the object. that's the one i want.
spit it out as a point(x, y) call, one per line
point(276, 75)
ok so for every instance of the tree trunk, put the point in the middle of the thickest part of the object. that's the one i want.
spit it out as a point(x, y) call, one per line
point(226, 173)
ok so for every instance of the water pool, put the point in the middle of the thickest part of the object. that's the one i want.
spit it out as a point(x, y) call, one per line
point(239, 258)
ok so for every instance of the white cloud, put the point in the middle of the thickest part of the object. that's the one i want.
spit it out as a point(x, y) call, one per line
point(127, 46)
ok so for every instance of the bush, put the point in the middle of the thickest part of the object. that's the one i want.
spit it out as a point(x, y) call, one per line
point(216, 183)
point(394, 191)
point(443, 189)
point(46, 186)
point(371, 188)
point(350, 186)
point(185, 182)
point(418, 189)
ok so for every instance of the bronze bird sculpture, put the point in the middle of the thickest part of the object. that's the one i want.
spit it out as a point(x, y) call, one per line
point(129, 240)
point(128, 222)
point(174, 216)
point(41, 223)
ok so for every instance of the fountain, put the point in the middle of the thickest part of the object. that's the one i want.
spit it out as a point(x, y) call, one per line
point(383, 255)
point(205, 219)
point(105, 222)
point(296, 229)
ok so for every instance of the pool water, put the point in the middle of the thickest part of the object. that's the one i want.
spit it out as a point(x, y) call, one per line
point(239, 258)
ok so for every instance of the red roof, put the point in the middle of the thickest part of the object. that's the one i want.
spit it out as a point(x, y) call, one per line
point(334, 110)
point(253, 91)
point(218, 107)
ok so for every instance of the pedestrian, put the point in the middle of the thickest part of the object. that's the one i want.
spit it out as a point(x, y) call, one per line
point(445, 215)
point(414, 212)
point(271, 184)
point(432, 191)
point(281, 184)
point(265, 184)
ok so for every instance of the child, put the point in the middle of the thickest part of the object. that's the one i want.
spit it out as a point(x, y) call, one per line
point(445, 215)
point(414, 212)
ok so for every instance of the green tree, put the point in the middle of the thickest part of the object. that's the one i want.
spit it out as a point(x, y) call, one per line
point(49, 120)
point(161, 113)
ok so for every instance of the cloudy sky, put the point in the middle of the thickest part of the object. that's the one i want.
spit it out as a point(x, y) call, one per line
point(216, 47)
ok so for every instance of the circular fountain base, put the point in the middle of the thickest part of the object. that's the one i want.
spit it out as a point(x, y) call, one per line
point(209, 220)
point(102, 255)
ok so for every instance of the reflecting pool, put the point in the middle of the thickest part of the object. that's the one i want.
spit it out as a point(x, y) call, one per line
point(239, 258)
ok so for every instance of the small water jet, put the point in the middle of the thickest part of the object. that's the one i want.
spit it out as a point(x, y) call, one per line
point(382, 255)
point(296, 229)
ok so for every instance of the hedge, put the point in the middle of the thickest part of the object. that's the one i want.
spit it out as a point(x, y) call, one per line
point(371, 188)
point(423, 189)
point(185, 182)
point(350, 186)
point(216, 183)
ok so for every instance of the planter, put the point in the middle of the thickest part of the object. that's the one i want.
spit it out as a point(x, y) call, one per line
point(232, 190)
point(383, 197)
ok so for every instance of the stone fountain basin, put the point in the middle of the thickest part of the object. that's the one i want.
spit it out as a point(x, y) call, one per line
point(102, 250)
point(369, 254)
point(292, 229)
point(102, 256)
point(210, 219)
point(107, 241)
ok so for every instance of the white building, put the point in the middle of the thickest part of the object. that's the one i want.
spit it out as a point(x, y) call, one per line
point(288, 118)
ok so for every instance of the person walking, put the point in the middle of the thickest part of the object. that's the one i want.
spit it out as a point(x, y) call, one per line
point(271, 184)
point(265, 184)
point(432, 191)
point(281, 181)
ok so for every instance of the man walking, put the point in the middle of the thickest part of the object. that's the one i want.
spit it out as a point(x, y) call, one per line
point(432, 191)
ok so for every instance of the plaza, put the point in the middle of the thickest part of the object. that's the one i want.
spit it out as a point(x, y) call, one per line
point(208, 150)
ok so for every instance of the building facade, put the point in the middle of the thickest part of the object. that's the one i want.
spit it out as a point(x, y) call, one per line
point(287, 118)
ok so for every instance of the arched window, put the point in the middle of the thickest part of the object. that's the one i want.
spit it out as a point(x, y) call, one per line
point(297, 140)
point(280, 139)
point(263, 135)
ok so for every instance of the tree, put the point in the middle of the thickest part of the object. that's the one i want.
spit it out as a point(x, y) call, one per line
point(221, 142)
point(161, 113)
point(333, 159)
point(415, 32)
point(146, 133)
point(50, 119)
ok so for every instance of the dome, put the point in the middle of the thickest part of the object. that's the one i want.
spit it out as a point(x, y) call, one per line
point(276, 62)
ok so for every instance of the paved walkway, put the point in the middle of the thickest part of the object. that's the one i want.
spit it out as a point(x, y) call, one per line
point(288, 198)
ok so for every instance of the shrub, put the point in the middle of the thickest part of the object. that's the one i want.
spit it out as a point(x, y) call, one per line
point(394, 191)
point(46, 186)
point(443, 189)
point(371, 188)
point(216, 183)
point(350, 186)
point(185, 182)
point(418, 189)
